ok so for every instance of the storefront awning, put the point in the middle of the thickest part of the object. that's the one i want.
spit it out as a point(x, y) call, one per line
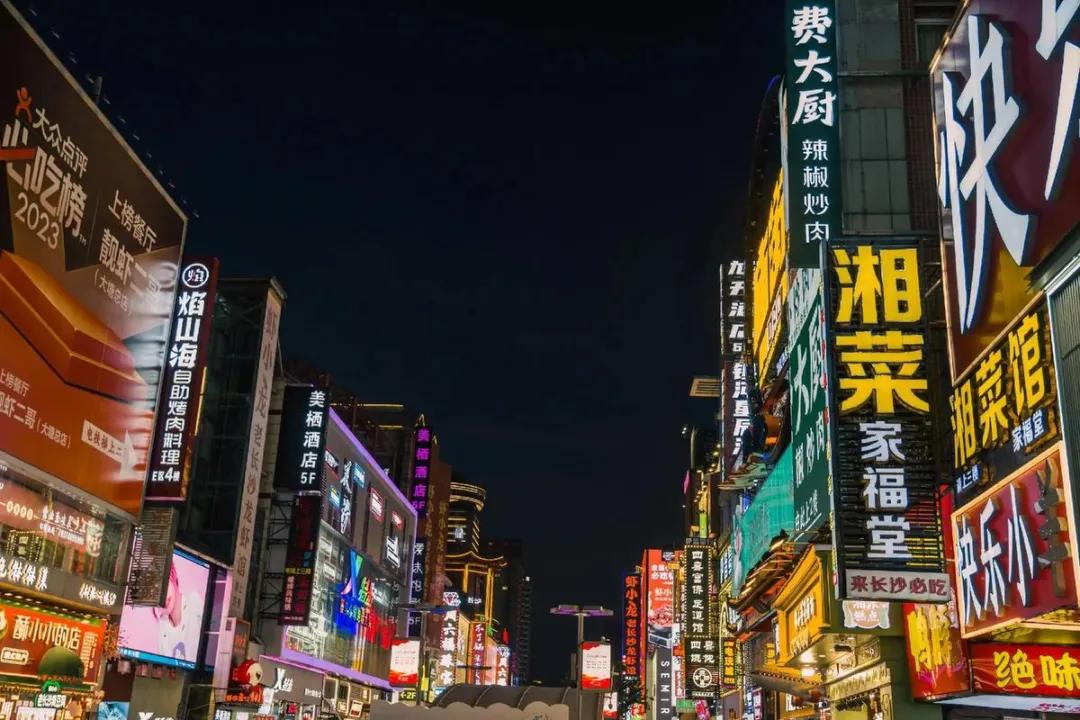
point(786, 680)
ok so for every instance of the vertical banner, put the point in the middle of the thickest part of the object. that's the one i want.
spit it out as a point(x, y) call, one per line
point(182, 382)
point(734, 393)
point(404, 662)
point(421, 481)
point(302, 441)
point(300, 556)
point(808, 377)
point(416, 584)
point(888, 528)
point(253, 463)
point(811, 109)
point(700, 633)
point(631, 613)
point(659, 597)
point(595, 666)
point(89, 254)
point(477, 633)
point(665, 685)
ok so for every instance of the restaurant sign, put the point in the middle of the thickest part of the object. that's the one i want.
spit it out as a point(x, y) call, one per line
point(1015, 548)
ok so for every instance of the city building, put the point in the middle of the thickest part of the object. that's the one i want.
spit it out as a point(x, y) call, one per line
point(466, 504)
point(512, 604)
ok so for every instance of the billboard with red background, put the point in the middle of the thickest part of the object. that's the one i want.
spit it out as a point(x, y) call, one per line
point(89, 248)
point(37, 645)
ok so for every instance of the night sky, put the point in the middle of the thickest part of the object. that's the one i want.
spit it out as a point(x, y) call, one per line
point(506, 215)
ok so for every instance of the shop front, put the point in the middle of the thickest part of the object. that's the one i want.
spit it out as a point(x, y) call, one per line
point(60, 555)
point(842, 660)
point(50, 662)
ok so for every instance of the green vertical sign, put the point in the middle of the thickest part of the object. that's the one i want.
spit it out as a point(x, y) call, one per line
point(809, 388)
point(811, 128)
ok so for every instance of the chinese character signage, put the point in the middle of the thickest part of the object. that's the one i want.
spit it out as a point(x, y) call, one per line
point(937, 662)
point(421, 467)
point(416, 583)
point(701, 640)
point(1015, 548)
point(478, 634)
point(1005, 120)
point(253, 461)
point(446, 658)
point(803, 607)
point(735, 376)
point(304, 420)
point(39, 644)
point(770, 287)
point(1036, 670)
point(632, 646)
point(809, 382)
point(811, 123)
point(888, 527)
point(300, 556)
point(1004, 409)
point(89, 255)
point(182, 381)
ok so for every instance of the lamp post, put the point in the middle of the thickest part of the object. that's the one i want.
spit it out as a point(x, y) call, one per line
point(580, 612)
point(424, 609)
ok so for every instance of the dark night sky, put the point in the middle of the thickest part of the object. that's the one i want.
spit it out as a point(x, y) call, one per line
point(506, 215)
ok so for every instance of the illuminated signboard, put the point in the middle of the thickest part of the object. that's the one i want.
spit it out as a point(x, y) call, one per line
point(1005, 120)
point(1014, 548)
point(701, 645)
point(182, 381)
point(1039, 670)
point(478, 633)
point(660, 597)
point(811, 431)
point(300, 557)
point(375, 504)
point(302, 440)
point(40, 643)
point(421, 482)
point(416, 583)
point(632, 646)
point(888, 533)
point(811, 128)
point(734, 398)
point(595, 666)
point(937, 663)
point(447, 654)
point(1004, 410)
point(770, 286)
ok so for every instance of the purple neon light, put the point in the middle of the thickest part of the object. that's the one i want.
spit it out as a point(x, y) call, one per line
point(371, 461)
point(302, 660)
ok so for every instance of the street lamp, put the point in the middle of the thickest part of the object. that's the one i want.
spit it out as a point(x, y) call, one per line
point(424, 609)
point(580, 612)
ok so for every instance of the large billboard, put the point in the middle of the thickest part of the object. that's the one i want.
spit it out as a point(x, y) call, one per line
point(89, 249)
point(888, 528)
point(1005, 118)
point(170, 634)
point(39, 644)
point(659, 596)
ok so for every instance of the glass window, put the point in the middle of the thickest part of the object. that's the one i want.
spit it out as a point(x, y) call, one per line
point(46, 527)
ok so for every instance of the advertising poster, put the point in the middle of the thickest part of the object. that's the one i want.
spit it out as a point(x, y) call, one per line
point(1039, 670)
point(89, 248)
point(596, 666)
point(660, 595)
point(300, 556)
point(611, 706)
point(170, 634)
point(112, 710)
point(37, 643)
point(404, 662)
